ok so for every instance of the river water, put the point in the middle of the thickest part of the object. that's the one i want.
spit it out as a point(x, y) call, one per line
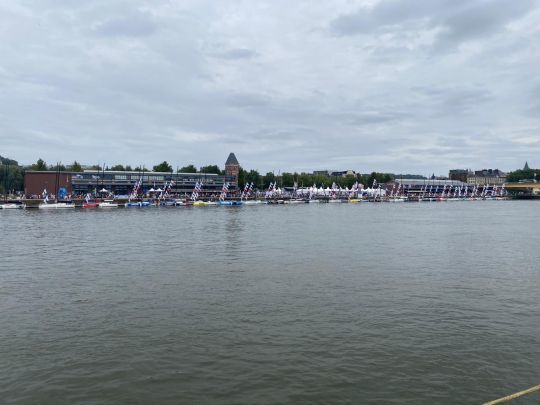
point(412, 303)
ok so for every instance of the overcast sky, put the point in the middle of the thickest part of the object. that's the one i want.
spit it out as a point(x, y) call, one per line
point(417, 86)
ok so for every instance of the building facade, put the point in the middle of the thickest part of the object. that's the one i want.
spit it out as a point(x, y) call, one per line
point(232, 168)
point(36, 182)
point(121, 183)
point(487, 177)
point(479, 177)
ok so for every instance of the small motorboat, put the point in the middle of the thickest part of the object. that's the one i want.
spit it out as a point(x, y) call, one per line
point(230, 202)
point(108, 204)
point(90, 204)
point(182, 203)
point(58, 205)
point(137, 204)
point(12, 206)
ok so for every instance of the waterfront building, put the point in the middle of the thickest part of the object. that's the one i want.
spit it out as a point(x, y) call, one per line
point(232, 168)
point(487, 176)
point(459, 175)
point(478, 177)
point(338, 173)
point(322, 173)
point(343, 173)
point(415, 187)
point(122, 182)
point(37, 181)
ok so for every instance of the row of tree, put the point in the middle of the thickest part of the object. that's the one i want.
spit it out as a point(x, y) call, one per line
point(164, 167)
point(11, 175)
point(523, 174)
point(307, 179)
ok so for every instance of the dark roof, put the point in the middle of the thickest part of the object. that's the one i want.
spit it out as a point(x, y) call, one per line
point(231, 160)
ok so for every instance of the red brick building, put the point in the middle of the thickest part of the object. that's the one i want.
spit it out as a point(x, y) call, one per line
point(36, 182)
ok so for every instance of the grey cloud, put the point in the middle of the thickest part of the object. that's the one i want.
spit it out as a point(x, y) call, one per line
point(375, 118)
point(456, 20)
point(235, 54)
point(479, 19)
point(137, 82)
point(387, 14)
point(451, 100)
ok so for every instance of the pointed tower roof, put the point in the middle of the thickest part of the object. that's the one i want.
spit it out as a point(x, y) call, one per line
point(231, 160)
point(526, 167)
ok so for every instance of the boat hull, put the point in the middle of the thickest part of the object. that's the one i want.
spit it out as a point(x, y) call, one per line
point(56, 206)
point(12, 206)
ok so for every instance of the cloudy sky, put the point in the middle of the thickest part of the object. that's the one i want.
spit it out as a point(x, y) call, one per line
point(395, 85)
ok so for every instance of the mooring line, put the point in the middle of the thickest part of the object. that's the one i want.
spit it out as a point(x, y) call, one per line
point(514, 396)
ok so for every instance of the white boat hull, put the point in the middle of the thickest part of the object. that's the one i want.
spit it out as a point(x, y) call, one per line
point(12, 206)
point(108, 205)
point(56, 206)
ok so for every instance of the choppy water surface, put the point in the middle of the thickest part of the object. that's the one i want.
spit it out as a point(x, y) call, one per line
point(369, 303)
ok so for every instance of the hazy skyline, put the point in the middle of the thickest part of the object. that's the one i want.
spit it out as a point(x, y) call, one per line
point(397, 86)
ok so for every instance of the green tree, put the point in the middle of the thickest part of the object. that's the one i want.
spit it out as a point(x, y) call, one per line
point(252, 176)
point(76, 167)
point(211, 169)
point(518, 175)
point(11, 178)
point(287, 179)
point(268, 178)
point(163, 167)
point(349, 180)
point(9, 162)
point(188, 169)
point(128, 168)
point(118, 168)
point(141, 169)
point(39, 165)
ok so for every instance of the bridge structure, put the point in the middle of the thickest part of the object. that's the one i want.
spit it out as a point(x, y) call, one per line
point(529, 189)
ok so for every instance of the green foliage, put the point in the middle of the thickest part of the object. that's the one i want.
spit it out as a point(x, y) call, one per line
point(379, 177)
point(241, 177)
point(252, 176)
point(267, 179)
point(211, 169)
point(39, 165)
point(11, 177)
point(523, 175)
point(141, 169)
point(163, 167)
point(118, 168)
point(188, 169)
point(9, 162)
point(307, 179)
point(75, 167)
point(287, 180)
point(128, 168)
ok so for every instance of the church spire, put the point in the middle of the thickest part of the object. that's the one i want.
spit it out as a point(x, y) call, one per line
point(526, 167)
